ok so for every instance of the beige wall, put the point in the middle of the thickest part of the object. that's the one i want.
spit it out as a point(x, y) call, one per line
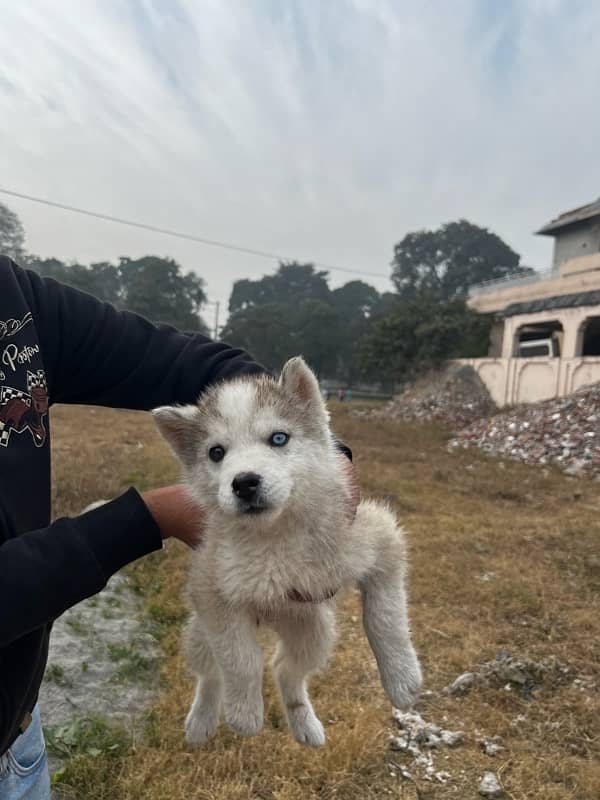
point(527, 380)
point(575, 266)
point(576, 275)
point(575, 241)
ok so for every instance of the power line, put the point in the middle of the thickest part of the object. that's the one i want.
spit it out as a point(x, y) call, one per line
point(188, 236)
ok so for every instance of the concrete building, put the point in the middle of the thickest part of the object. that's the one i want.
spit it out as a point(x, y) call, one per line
point(546, 334)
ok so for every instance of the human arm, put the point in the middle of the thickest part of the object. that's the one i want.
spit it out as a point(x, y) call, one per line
point(96, 354)
point(46, 571)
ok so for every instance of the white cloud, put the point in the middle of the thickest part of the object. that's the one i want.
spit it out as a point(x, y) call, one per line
point(322, 130)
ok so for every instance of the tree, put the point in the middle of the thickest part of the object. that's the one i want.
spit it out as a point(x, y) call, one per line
point(317, 331)
point(443, 263)
point(275, 332)
point(355, 302)
point(419, 334)
point(155, 288)
point(104, 282)
point(12, 235)
point(49, 267)
point(264, 331)
point(151, 286)
point(295, 312)
point(356, 298)
point(101, 279)
point(291, 284)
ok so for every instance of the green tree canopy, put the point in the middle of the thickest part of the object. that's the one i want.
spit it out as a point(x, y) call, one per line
point(156, 288)
point(151, 286)
point(295, 312)
point(101, 279)
point(356, 298)
point(293, 283)
point(443, 263)
point(264, 331)
point(417, 335)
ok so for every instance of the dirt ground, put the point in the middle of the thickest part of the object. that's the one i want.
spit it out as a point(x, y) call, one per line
point(103, 661)
point(505, 572)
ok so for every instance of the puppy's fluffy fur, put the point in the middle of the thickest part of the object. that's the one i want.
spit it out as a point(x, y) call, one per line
point(277, 550)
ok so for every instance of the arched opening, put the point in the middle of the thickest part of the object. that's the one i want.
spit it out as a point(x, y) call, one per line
point(590, 338)
point(540, 339)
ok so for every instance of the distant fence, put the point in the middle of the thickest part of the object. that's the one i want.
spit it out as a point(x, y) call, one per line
point(359, 391)
point(518, 279)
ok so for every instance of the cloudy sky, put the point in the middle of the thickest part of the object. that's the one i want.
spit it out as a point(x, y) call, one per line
point(319, 129)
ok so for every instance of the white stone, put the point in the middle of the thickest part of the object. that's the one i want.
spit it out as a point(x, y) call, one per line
point(490, 786)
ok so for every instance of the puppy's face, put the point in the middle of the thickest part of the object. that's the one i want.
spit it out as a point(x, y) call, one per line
point(251, 444)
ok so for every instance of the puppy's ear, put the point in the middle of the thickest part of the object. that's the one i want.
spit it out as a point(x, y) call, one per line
point(300, 382)
point(179, 426)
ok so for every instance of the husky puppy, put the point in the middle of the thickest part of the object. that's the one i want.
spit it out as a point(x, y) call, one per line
point(280, 542)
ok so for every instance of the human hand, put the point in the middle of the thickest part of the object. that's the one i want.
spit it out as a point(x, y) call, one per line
point(176, 514)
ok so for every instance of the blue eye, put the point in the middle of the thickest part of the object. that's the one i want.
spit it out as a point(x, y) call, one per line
point(279, 439)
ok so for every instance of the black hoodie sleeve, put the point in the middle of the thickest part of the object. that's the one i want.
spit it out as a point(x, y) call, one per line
point(45, 572)
point(95, 354)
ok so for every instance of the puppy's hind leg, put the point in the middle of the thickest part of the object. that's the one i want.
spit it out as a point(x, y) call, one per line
point(385, 616)
point(305, 645)
point(386, 625)
point(203, 717)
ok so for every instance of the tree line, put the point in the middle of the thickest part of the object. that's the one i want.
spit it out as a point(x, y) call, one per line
point(152, 286)
point(351, 333)
point(354, 333)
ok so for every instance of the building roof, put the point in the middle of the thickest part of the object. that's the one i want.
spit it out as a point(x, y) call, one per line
point(591, 298)
point(571, 218)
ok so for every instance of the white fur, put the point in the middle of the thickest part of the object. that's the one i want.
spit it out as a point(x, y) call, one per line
point(305, 542)
point(93, 506)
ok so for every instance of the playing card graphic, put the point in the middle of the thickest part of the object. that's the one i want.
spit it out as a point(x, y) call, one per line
point(24, 410)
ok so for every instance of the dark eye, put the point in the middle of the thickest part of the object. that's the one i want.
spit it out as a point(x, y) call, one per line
point(216, 453)
point(278, 439)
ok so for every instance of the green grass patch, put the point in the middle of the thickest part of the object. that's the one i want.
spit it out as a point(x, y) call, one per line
point(93, 748)
point(133, 666)
point(56, 674)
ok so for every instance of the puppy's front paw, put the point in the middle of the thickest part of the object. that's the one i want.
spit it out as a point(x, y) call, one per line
point(305, 725)
point(200, 727)
point(403, 682)
point(245, 717)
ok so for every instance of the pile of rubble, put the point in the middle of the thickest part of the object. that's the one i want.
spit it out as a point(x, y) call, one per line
point(514, 673)
point(417, 739)
point(417, 745)
point(563, 431)
point(455, 396)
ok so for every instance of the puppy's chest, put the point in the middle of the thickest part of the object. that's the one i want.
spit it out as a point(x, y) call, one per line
point(267, 573)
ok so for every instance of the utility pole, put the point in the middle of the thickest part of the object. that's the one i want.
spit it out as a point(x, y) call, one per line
point(217, 305)
point(216, 336)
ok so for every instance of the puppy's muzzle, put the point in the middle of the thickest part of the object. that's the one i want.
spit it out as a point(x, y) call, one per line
point(246, 486)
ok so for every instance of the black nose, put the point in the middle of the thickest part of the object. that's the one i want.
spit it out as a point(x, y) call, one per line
point(245, 485)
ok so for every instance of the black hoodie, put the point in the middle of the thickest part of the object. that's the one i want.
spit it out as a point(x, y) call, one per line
point(59, 345)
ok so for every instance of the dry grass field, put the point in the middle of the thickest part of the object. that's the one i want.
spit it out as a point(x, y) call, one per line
point(503, 558)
